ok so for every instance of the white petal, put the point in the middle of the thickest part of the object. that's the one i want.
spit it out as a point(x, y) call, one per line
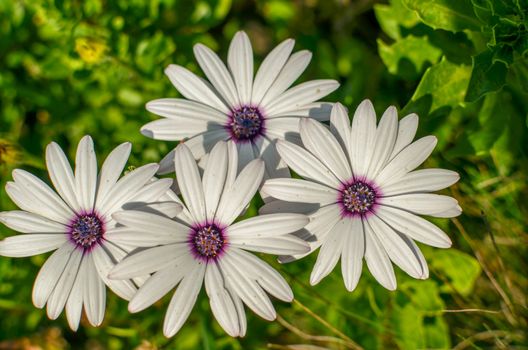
point(270, 69)
point(407, 160)
point(414, 226)
point(247, 289)
point(296, 190)
point(173, 130)
point(330, 250)
point(421, 203)
point(384, 143)
point(86, 173)
point(61, 174)
point(150, 260)
point(450, 213)
point(183, 111)
point(149, 194)
point(33, 195)
point(340, 125)
point(214, 178)
point(423, 180)
point(245, 154)
point(278, 245)
point(240, 60)
point(50, 273)
point(126, 188)
point(62, 289)
point(406, 132)
point(104, 261)
point(321, 222)
point(268, 225)
point(190, 182)
point(317, 110)
point(239, 305)
point(305, 164)
point(397, 249)
point(217, 73)
point(298, 96)
point(94, 296)
point(419, 255)
point(183, 300)
point(74, 304)
point(199, 145)
point(320, 142)
point(111, 171)
point(31, 244)
point(232, 167)
point(265, 275)
point(275, 166)
point(169, 209)
point(352, 255)
point(158, 285)
point(292, 70)
point(286, 128)
point(151, 223)
point(362, 137)
point(25, 222)
point(237, 197)
point(194, 88)
point(377, 260)
point(278, 206)
point(222, 304)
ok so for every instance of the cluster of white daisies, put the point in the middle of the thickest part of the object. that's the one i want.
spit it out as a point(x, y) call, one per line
point(144, 236)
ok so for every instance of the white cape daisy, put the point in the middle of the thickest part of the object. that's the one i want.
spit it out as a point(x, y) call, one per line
point(203, 243)
point(367, 195)
point(253, 112)
point(77, 223)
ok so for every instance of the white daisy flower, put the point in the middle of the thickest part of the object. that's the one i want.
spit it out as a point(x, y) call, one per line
point(77, 223)
point(253, 112)
point(203, 243)
point(366, 193)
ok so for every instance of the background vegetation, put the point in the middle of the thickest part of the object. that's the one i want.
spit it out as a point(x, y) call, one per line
point(72, 67)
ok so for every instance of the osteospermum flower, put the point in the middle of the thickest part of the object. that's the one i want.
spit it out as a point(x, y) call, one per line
point(76, 221)
point(253, 112)
point(367, 194)
point(203, 243)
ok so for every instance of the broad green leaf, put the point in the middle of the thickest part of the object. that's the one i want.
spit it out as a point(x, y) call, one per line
point(442, 86)
point(486, 76)
point(518, 74)
point(461, 269)
point(408, 324)
point(437, 333)
point(393, 17)
point(452, 15)
point(407, 57)
point(490, 125)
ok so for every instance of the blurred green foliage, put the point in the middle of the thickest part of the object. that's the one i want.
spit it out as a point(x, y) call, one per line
point(71, 67)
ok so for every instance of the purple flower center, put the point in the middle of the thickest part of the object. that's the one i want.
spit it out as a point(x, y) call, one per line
point(207, 242)
point(86, 230)
point(245, 123)
point(358, 198)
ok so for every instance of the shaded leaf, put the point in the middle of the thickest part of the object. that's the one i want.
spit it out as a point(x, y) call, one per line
point(453, 15)
point(486, 76)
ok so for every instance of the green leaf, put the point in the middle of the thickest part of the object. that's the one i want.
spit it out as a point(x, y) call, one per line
point(461, 269)
point(489, 126)
point(393, 17)
point(442, 86)
point(518, 74)
point(452, 15)
point(408, 56)
point(486, 76)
